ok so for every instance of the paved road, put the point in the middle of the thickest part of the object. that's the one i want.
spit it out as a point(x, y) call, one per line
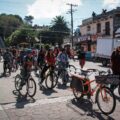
point(48, 105)
point(7, 86)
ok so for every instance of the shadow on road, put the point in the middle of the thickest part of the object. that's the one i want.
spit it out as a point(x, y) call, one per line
point(48, 92)
point(86, 107)
point(21, 101)
point(2, 75)
point(61, 86)
point(104, 66)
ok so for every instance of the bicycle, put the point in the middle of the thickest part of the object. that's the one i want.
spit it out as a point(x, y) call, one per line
point(25, 85)
point(62, 71)
point(81, 86)
point(50, 78)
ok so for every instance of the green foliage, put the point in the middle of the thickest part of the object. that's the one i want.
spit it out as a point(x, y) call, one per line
point(24, 34)
point(29, 19)
point(8, 24)
point(56, 33)
point(60, 28)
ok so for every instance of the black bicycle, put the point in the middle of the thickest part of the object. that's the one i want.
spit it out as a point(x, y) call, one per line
point(25, 85)
point(62, 72)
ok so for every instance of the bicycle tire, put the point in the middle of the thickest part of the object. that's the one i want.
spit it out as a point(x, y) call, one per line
point(75, 93)
point(119, 89)
point(29, 86)
point(53, 81)
point(23, 89)
point(17, 82)
point(98, 101)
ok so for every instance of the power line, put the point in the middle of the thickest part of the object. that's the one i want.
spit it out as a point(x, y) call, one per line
point(71, 12)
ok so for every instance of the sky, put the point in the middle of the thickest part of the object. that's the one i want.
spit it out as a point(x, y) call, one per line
point(44, 11)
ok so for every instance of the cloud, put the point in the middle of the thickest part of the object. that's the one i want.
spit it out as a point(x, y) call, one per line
point(49, 8)
point(110, 4)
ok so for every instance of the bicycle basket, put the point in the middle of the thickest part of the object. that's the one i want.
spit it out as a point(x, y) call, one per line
point(108, 79)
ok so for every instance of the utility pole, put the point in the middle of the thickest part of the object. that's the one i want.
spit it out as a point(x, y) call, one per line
point(71, 12)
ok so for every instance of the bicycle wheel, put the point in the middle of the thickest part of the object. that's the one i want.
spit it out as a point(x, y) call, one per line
point(31, 87)
point(23, 89)
point(105, 100)
point(17, 81)
point(78, 95)
point(51, 80)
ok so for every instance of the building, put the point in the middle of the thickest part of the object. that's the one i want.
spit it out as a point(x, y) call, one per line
point(103, 25)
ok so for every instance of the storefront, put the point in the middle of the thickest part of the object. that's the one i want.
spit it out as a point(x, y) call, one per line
point(88, 42)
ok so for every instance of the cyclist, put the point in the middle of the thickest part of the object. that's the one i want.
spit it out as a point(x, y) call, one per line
point(49, 62)
point(27, 66)
point(15, 55)
point(56, 51)
point(7, 58)
point(62, 59)
point(41, 57)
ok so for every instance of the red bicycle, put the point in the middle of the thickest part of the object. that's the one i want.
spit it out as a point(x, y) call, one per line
point(104, 98)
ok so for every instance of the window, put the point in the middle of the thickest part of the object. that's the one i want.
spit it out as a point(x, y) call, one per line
point(88, 28)
point(107, 28)
point(98, 28)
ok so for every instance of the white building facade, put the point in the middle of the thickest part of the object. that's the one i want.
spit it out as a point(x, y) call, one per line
point(102, 25)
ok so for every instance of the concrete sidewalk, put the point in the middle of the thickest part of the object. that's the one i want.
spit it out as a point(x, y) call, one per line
point(61, 108)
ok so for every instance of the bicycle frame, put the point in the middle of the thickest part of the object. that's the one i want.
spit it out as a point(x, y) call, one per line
point(88, 83)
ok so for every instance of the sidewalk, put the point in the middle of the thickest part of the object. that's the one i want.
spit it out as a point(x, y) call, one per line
point(61, 108)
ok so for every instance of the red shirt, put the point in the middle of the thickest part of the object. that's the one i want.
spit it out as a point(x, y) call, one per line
point(50, 60)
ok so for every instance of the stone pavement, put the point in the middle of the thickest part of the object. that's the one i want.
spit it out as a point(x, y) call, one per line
point(61, 108)
point(48, 105)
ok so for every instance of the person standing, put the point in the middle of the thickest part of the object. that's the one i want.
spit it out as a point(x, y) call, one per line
point(115, 64)
point(81, 57)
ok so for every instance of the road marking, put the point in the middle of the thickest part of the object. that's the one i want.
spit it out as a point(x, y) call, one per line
point(38, 102)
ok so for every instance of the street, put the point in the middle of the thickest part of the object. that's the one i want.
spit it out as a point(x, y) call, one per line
point(57, 104)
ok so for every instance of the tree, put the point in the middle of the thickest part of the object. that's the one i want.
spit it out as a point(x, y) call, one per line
point(60, 28)
point(8, 24)
point(47, 37)
point(29, 19)
point(24, 34)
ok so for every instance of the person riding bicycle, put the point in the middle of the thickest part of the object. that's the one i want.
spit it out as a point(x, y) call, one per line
point(49, 62)
point(26, 67)
point(62, 59)
point(7, 58)
point(28, 62)
point(14, 52)
point(41, 57)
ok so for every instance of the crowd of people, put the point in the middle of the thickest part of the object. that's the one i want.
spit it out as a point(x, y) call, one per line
point(29, 58)
point(13, 58)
